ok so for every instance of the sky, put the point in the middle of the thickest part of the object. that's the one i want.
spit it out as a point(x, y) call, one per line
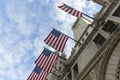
point(24, 24)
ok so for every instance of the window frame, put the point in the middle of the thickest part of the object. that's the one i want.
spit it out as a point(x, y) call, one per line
point(98, 40)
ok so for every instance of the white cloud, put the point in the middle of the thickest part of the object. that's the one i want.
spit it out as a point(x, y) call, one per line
point(30, 0)
point(13, 76)
point(2, 49)
point(8, 59)
point(19, 15)
point(39, 45)
point(24, 26)
point(2, 72)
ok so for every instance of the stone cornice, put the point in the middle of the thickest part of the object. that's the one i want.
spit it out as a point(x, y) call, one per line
point(102, 16)
point(99, 2)
point(110, 8)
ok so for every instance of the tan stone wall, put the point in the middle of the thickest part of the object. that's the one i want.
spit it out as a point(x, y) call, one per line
point(87, 54)
point(80, 27)
point(97, 62)
point(111, 68)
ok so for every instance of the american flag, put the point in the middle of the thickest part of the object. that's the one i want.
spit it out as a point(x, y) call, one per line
point(38, 74)
point(46, 60)
point(70, 10)
point(56, 40)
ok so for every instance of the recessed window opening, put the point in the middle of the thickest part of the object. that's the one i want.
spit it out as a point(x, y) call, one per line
point(70, 76)
point(75, 70)
point(99, 40)
point(117, 12)
point(110, 27)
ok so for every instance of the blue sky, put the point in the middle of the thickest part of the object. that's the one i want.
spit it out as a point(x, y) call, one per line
point(24, 24)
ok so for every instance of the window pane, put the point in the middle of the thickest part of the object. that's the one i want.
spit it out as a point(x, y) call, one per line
point(75, 71)
point(99, 39)
point(117, 12)
point(69, 76)
point(110, 27)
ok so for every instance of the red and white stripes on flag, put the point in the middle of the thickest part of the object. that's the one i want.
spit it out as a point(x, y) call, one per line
point(50, 62)
point(56, 40)
point(70, 10)
point(46, 60)
point(38, 74)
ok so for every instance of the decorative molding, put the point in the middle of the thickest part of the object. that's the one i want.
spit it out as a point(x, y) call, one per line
point(107, 48)
point(108, 52)
point(100, 53)
point(110, 8)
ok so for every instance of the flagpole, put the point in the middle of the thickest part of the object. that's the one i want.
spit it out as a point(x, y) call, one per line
point(68, 36)
point(72, 10)
point(72, 39)
point(88, 16)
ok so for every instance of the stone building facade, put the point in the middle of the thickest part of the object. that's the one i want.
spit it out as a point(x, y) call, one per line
point(58, 68)
point(97, 55)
